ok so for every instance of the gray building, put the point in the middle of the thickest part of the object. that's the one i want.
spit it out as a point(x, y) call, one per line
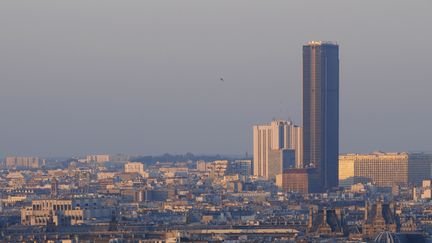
point(321, 110)
point(242, 167)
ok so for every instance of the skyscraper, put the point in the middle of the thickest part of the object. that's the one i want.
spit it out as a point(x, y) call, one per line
point(276, 146)
point(321, 110)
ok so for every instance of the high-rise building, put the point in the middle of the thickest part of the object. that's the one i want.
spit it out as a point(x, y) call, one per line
point(384, 169)
point(321, 110)
point(276, 146)
point(294, 141)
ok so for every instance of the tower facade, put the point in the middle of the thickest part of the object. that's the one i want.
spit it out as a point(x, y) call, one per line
point(321, 110)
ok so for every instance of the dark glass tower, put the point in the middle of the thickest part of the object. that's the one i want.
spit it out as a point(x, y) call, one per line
point(321, 110)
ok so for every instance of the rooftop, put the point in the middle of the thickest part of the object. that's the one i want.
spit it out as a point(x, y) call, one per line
point(319, 43)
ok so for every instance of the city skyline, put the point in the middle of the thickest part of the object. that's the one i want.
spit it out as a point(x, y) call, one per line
point(111, 80)
point(215, 121)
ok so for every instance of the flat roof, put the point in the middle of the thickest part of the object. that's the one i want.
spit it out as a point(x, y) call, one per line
point(319, 43)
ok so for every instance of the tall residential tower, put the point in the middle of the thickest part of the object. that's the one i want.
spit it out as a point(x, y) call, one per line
point(321, 110)
point(276, 146)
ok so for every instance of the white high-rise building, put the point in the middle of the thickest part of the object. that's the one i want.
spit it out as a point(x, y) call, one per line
point(276, 146)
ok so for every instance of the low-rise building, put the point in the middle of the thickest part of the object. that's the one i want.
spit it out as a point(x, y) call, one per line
point(64, 212)
point(22, 162)
point(135, 167)
point(298, 180)
point(99, 158)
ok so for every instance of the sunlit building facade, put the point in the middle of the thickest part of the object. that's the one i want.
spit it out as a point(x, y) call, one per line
point(65, 212)
point(276, 146)
point(135, 167)
point(299, 180)
point(22, 162)
point(384, 169)
point(99, 158)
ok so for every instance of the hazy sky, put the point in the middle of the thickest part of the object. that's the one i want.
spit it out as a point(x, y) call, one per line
point(142, 77)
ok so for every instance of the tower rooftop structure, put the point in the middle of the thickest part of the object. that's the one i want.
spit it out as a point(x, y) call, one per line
point(319, 43)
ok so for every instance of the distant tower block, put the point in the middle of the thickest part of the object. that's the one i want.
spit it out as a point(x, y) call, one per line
point(321, 110)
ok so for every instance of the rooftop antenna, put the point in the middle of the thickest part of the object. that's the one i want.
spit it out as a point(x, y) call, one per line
point(280, 108)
